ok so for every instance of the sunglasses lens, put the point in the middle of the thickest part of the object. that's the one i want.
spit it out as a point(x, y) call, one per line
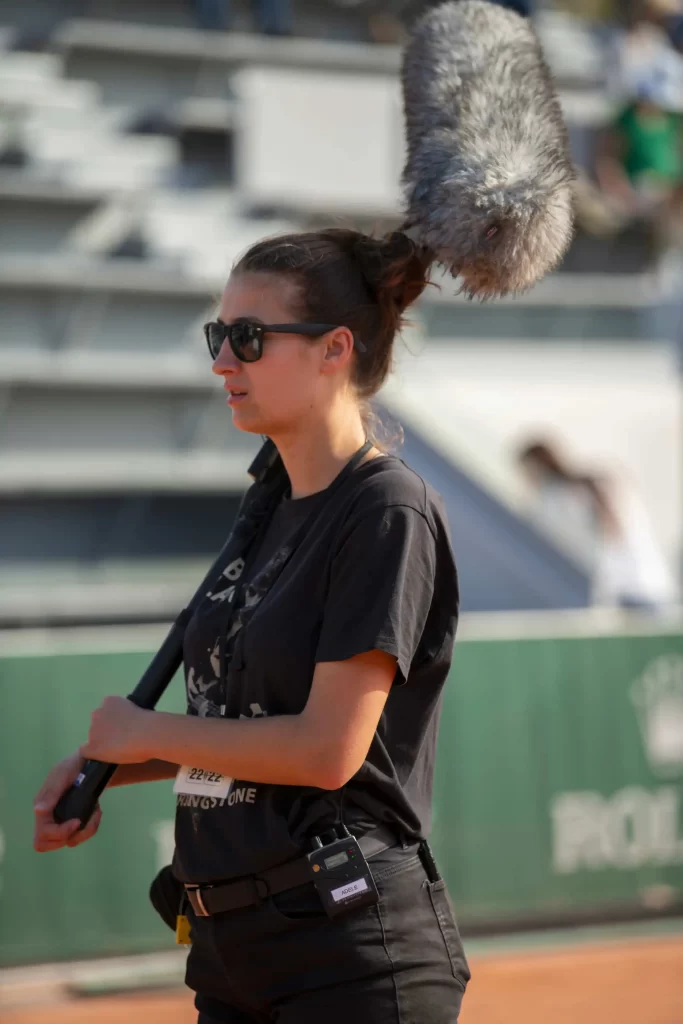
point(215, 334)
point(246, 341)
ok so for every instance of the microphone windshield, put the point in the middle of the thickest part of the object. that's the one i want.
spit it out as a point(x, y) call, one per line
point(488, 179)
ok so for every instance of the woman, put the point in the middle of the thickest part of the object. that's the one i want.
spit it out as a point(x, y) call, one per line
point(607, 525)
point(313, 707)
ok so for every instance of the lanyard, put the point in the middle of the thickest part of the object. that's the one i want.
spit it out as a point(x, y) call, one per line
point(292, 546)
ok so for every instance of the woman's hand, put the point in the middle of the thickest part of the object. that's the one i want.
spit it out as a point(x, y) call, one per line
point(48, 835)
point(119, 733)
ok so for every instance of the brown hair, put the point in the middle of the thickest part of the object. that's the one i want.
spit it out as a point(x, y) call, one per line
point(350, 279)
point(547, 456)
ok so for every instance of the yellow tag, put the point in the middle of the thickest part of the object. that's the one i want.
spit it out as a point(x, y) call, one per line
point(182, 931)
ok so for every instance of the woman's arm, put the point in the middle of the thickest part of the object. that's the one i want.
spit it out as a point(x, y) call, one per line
point(324, 746)
point(146, 771)
point(378, 600)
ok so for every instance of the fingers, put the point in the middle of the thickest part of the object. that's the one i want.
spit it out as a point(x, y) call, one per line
point(47, 796)
point(59, 779)
point(89, 831)
point(49, 835)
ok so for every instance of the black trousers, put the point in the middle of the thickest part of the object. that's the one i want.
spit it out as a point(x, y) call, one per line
point(399, 962)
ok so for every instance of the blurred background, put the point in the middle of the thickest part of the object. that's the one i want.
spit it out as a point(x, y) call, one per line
point(143, 146)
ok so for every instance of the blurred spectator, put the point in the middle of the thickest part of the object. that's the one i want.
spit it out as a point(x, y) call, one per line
point(274, 16)
point(639, 166)
point(606, 522)
point(387, 20)
point(639, 172)
point(385, 26)
point(644, 54)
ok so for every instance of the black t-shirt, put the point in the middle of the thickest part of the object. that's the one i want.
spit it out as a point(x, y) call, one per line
point(373, 570)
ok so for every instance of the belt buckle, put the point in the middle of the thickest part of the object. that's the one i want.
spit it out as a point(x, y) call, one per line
point(194, 894)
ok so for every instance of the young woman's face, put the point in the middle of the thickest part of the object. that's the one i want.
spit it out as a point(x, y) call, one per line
point(286, 387)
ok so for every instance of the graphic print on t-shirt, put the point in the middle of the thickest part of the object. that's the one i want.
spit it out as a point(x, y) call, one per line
point(374, 570)
point(205, 689)
point(232, 573)
point(199, 703)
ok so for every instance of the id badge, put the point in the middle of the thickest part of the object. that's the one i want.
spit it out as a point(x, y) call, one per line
point(200, 782)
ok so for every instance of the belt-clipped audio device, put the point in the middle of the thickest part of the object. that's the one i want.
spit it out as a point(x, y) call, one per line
point(341, 873)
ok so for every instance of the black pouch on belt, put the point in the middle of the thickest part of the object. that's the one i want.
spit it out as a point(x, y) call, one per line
point(167, 895)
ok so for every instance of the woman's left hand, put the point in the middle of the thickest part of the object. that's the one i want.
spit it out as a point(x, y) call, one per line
point(118, 733)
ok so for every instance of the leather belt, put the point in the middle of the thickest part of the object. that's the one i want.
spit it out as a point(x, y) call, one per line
point(252, 890)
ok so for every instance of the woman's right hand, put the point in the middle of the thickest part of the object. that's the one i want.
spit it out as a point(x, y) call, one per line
point(48, 835)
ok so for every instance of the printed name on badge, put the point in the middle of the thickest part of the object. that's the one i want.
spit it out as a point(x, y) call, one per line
point(350, 889)
point(200, 782)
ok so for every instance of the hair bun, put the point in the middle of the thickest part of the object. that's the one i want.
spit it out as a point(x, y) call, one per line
point(393, 267)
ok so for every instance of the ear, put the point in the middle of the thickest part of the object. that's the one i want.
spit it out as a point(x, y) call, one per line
point(338, 350)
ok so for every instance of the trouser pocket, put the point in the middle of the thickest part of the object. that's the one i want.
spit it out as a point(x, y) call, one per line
point(443, 911)
point(299, 904)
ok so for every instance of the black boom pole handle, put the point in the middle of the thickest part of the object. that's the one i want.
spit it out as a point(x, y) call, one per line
point(80, 799)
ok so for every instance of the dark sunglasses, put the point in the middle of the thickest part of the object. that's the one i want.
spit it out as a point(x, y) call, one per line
point(246, 336)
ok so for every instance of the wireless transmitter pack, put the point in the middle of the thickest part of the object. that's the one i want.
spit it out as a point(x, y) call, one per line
point(341, 875)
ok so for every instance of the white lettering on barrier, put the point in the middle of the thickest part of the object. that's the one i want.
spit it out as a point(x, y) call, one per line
point(633, 828)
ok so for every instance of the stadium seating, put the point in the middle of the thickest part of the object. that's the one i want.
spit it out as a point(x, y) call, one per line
point(122, 206)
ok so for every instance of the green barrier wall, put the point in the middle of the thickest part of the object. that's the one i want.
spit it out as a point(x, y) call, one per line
point(560, 777)
point(91, 900)
point(559, 790)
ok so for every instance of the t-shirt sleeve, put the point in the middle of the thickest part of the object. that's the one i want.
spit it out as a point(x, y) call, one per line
point(381, 588)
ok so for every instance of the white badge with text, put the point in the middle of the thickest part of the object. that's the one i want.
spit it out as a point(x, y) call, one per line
point(200, 782)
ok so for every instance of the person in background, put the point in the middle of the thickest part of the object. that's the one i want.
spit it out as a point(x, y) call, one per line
point(274, 16)
point(386, 20)
point(643, 50)
point(639, 166)
point(641, 155)
point(604, 523)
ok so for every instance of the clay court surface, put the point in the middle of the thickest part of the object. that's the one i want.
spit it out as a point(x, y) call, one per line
point(639, 982)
